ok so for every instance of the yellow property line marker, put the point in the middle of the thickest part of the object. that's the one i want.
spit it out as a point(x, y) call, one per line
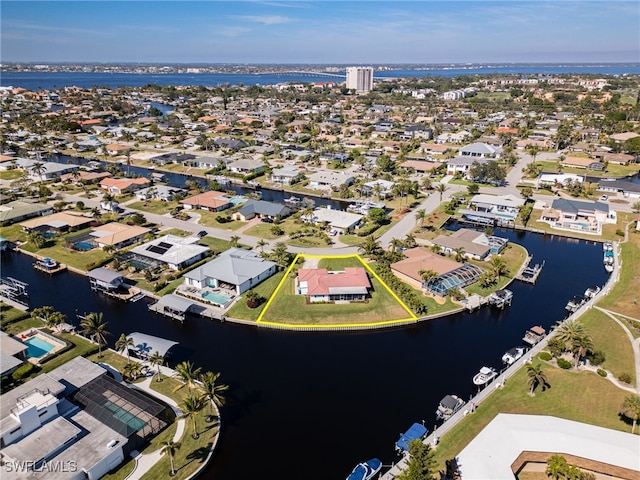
point(411, 317)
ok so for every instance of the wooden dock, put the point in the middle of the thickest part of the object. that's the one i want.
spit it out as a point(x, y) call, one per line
point(131, 295)
point(42, 266)
point(529, 274)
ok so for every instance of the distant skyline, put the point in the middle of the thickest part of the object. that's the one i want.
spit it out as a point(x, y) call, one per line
point(327, 32)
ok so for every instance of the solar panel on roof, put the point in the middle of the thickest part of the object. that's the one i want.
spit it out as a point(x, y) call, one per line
point(157, 249)
point(164, 245)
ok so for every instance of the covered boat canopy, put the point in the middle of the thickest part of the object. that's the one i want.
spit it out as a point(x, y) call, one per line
point(146, 345)
point(449, 402)
point(416, 431)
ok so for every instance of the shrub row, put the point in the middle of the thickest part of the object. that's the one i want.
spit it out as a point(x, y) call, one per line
point(409, 296)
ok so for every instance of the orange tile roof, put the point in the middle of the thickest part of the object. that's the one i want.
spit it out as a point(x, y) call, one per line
point(319, 280)
point(422, 259)
point(211, 199)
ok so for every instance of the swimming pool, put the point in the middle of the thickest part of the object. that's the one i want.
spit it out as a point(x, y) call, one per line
point(214, 297)
point(38, 347)
point(126, 417)
point(83, 246)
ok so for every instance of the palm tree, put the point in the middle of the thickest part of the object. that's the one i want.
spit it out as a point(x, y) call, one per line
point(261, 243)
point(212, 391)
point(370, 247)
point(568, 331)
point(156, 360)
point(186, 374)
point(499, 267)
point(532, 150)
point(94, 326)
point(459, 254)
point(128, 161)
point(233, 241)
point(581, 345)
point(124, 343)
point(170, 447)
point(535, 377)
point(132, 370)
point(420, 216)
point(441, 188)
point(38, 168)
point(37, 239)
point(631, 409)
point(556, 467)
point(190, 407)
point(396, 244)
point(280, 254)
point(427, 275)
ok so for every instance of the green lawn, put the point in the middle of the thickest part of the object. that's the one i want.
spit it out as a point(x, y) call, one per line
point(217, 244)
point(624, 297)
point(14, 233)
point(381, 307)
point(11, 174)
point(73, 258)
point(154, 206)
point(514, 256)
point(611, 171)
point(265, 290)
point(597, 404)
point(609, 337)
point(263, 230)
point(10, 315)
point(82, 348)
point(311, 242)
point(338, 264)
point(209, 219)
point(19, 326)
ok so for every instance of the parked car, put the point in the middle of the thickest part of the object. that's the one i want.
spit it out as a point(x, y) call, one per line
point(266, 220)
point(604, 198)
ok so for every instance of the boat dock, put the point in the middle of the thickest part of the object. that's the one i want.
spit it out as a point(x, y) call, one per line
point(130, 295)
point(47, 266)
point(501, 298)
point(14, 293)
point(529, 274)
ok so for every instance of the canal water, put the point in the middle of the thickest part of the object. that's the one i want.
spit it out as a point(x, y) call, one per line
point(312, 405)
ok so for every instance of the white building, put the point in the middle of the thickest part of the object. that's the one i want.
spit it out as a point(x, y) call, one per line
point(360, 79)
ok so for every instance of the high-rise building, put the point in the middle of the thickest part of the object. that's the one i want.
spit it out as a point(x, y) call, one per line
point(360, 79)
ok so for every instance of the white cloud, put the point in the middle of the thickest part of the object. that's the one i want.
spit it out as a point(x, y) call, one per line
point(264, 19)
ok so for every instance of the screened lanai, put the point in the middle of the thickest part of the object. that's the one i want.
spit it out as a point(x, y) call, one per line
point(458, 278)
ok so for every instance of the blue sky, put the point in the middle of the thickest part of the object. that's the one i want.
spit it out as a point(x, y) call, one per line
point(284, 31)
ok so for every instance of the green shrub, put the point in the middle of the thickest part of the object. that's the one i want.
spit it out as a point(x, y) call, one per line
point(544, 356)
point(597, 358)
point(601, 372)
point(23, 371)
point(564, 364)
point(620, 233)
point(556, 346)
point(625, 377)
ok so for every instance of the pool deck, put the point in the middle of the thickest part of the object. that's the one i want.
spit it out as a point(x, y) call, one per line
point(31, 333)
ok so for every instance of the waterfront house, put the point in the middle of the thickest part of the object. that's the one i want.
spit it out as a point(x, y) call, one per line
point(57, 222)
point(476, 245)
point(578, 215)
point(246, 166)
point(380, 188)
point(117, 149)
point(115, 234)
point(261, 209)
point(480, 150)
point(13, 353)
point(159, 192)
point(450, 274)
point(581, 162)
point(339, 221)
point(285, 175)
point(119, 186)
point(170, 250)
point(320, 285)
point(211, 201)
point(234, 269)
point(18, 210)
point(462, 165)
point(504, 207)
point(325, 179)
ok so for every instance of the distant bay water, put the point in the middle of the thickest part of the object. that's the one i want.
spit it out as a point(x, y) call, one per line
point(53, 80)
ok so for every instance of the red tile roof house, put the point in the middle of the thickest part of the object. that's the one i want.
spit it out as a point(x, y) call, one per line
point(212, 201)
point(118, 186)
point(321, 285)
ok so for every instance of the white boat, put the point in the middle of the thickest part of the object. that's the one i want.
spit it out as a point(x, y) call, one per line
point(512, 355)
point(607, 246)
point(609, 267)
point(448, 406)
point(591, 291)
point(365, 470)
point(575, 303)
point(484, 376)
point(534, 335)
point(293, 200)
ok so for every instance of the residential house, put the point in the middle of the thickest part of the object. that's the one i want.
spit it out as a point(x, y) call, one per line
point(380, 188)
point(580, 162)
point(171, 250)
point(480, 150)
point(115, 234)
point(615, 158)
point(211, 201)
point(329, 180)
point(236, 269)
point(261, 209)
point(119, 186)
point(159, 192)
point(285, 175)
point(18, 210)
point(504, 207)
point(420, 166)
point(117, 149)
point(230, 143)
point(339, 221)
point(578, 215)
point(476, 245)
point(453, 137)
point(246, 166)
point(57, 222)
point(623, 137)
point(626, 188)
point(462, 165)
point(320, 285)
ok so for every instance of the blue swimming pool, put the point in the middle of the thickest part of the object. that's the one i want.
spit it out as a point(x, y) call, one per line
point(214, 297)
point(37, 347)
point(125, 417)
point(83, 246)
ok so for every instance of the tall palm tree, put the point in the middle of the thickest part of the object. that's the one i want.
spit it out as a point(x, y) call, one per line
point(441, 188)
point(212, 391)
point(280, 254)
point(459, 254)
point(123, 344)
point(581, 345)
point(567, 331)
point(233, 241)
point(38, 168)
point(187, 375)
point(420, 216)
point(535, 377)
point(190, 407)
point(156, 360)
point(427, 275)
point(261, 243)
point(499, 266)
point(631, 409)
point(95, 327)
point(132, 370)
point(170, 447)
point(370, 247)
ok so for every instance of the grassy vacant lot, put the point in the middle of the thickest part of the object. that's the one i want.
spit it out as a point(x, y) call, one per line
point(72, 258)
point(9, 315)
point(17, 321)
point(609, 337)
point(154, 206)
point(611, 171)
point(514, 256)
point(381, 307)
point(14, 233)
point(624, 297)
point(597, 403)
point(265, 290)
point(209, 219)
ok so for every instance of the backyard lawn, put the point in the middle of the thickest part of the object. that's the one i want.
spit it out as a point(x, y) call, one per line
point(265, 290)
point(514, 256)
point(73, 258)
point(209, 219)
point(382, 306)
point(9, 316)
point(624, 297)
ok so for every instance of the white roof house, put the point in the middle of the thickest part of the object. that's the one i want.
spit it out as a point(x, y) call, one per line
point(329, 179)
point(337, 219)
point(176, 252)
point(479, 149)
point(504, 206)
point(492, 452)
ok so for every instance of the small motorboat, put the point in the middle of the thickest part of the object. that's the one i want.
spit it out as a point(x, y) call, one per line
point(49, 262)
point(607, 246)
point(608, 267)
point(365, 470)
point(591, 291)
point(575, 303)
point(534, 335)
point(448, 406)
point(415, 431)
point(484, 376)
point(512, 355)
point(293, 201)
